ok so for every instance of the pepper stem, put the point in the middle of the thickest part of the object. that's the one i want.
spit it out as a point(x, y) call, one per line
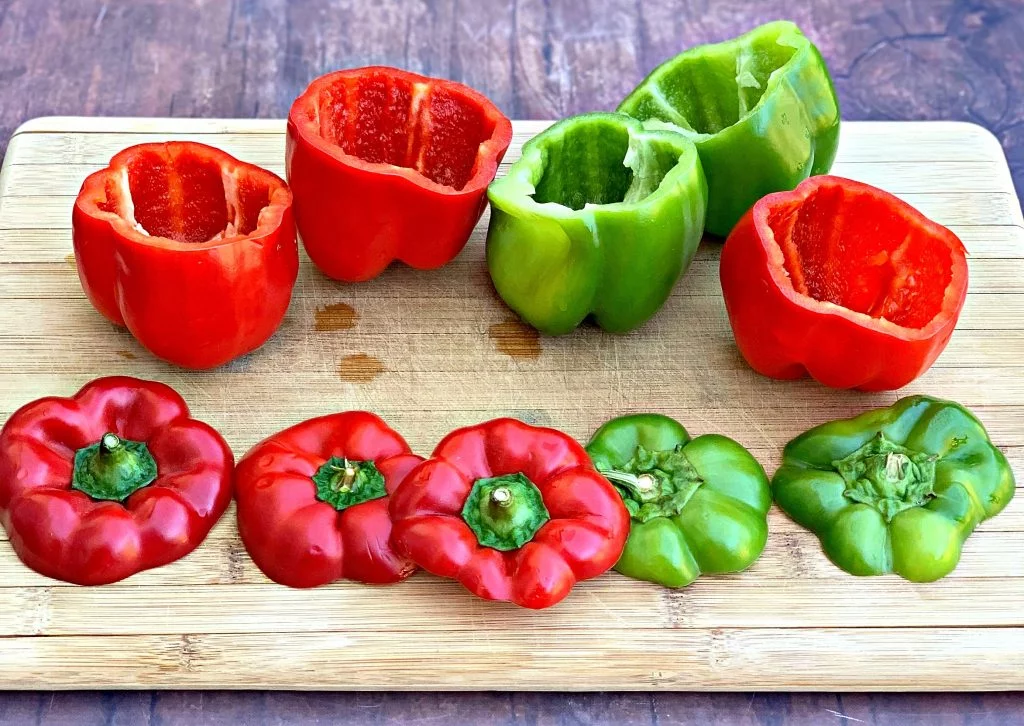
point(113, 468)
point(343, 483)
point(654, 483)
point(505, 512)
point(887, 476)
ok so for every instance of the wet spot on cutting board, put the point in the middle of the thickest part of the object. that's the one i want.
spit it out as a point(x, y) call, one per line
point(70, 259)
point(127, 354)
point(516, 339)
point(359, 368)
point(337, 316)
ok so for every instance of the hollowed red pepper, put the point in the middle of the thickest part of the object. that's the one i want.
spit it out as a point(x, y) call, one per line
point(114, 480)
point(389, 165)
point(512, 511)
point(191, 249)
point(842, 282)
point(313, 501)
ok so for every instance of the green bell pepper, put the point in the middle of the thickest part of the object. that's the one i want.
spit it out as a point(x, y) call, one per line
point(896, 489)
point(599, 217)
point(761, 108)
point(698, 506)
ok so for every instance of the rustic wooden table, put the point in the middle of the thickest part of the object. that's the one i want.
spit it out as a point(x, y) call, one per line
point(891, 59)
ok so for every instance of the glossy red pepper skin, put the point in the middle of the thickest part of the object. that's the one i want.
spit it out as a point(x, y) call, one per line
point(843, 282)
point(583, 538)
point(389, 165)
point(66, 534)
point(300, 541)
point(211, 276)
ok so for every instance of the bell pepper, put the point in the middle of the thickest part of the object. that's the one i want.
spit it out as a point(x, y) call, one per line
point(598, 217)
point(514, 512)
point(114, 480)
point(191, 249)
point(389, 165)
point(698, 506)
point(761, 109)
point(313, 501)
point(896, 489)
point(842, 282)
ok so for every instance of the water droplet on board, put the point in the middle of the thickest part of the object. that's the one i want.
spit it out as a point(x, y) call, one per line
point(334, 317)
point(516, 339)
point(359, 368)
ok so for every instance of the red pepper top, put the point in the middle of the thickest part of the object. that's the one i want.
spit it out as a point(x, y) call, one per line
point(844, 282)
point(114, 480)
point(313, 501)
point(514, 512)
point(193, 250)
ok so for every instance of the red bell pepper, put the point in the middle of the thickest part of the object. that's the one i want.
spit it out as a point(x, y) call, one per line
point(842, 282)
point(191, 249)
point(512, 511)
point(114, 480)
point(389, 165)
point(313, 501)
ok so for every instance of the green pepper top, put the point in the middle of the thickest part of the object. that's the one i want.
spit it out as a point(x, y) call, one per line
point(761, 109)
point(599, 216)
point(698, 506)
point(895, 489)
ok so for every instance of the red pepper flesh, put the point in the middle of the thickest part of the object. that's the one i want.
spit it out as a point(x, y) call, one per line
point(579, 535)
point(305, 510)
point(843, 282)
point(61, 531)
point(390, 165)
point(191, 249)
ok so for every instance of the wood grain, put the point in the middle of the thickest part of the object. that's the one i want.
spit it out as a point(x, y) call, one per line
point(437, 362)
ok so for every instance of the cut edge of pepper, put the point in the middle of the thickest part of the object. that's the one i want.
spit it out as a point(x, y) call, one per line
point(952, 297)
point(787, 29)
point(489, 151)
point(270, 217)
point(518, 187)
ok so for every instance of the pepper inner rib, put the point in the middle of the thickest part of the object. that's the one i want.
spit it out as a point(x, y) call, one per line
point(855, 250)
point(381, 119)
point(185, 196)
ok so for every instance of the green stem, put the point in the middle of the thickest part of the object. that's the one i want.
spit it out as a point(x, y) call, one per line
point(343, 483)
point(887, 476)
point(113, 468)
point(505, 512)
point(655, 483)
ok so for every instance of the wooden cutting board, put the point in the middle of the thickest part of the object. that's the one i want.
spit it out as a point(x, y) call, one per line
point(432, 351)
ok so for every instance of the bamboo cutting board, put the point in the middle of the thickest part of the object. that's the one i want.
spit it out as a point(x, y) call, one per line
point(431, 351)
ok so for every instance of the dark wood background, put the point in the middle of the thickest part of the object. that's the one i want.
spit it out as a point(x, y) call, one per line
point(891, 59)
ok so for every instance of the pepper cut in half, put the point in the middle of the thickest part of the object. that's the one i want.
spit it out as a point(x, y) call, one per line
point(313, 501)
point(389, 165)
point(512, 511)
point(761, 109)
point(842, 282)
point(698, 506)
point(896, 489)
point(191, 249)
point(598, 217)
point(114, 480)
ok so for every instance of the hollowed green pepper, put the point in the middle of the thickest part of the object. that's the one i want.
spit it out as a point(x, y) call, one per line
point(598, 217)
point(761, 109)
point(698, 506)
point(896, 489)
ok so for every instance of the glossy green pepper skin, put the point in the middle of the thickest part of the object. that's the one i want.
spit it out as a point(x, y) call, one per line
point(598, 217)
point(698, 506)
point(761, 109)
point(895, 489)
